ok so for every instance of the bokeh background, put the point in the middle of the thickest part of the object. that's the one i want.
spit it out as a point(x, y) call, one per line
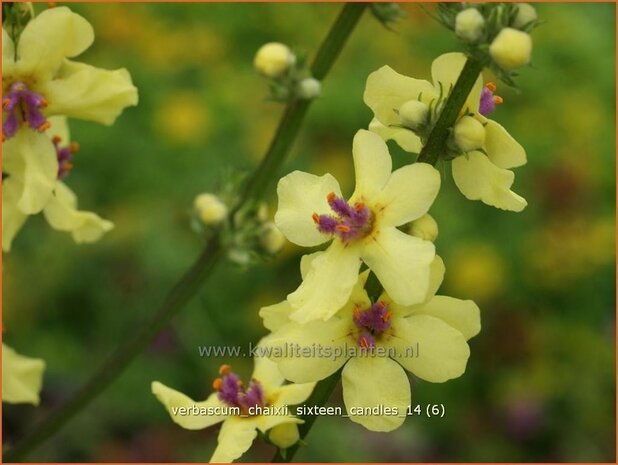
point(540, 384)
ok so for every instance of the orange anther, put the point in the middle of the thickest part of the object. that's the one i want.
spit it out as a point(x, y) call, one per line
point(491, 86)
point(74, 147)
point(44, 102)
point(68, 166)
point(363, 342)
point(387, 316)
point(56, 139)
point(359, 206)
point(225, 369)
point(5, 103)
point(357, 312)
point(44, 127)
point(498, 100)
point(217, 383)
point(331, 197)
point(316, 218)
point(51, 4)
point(343, 228)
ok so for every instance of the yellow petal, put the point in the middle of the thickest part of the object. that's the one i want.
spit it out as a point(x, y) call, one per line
point(375, 382)
point(328, 285)
point(52, 36)
point(306, 261)
point(174, 402)
point(85, 92)
point(275, 316)
point(62, 214)
point(387, 90)
point(372, 164)
point(293, 394)
point(12, 217)
point(445, 70)
point(442, 350)
point(31, 157)
point(266, 371)
point(300, 196)
point(409, 193)
point(463, 315)
point(291, 347)
point(503, 151)
point(22, 377)
point(401, 263)
point(479, 179)
point(235, 438)
point(8, 51)
point(405, 138)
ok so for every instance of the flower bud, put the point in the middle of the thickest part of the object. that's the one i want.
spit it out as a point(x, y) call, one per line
point(469, 24)
point(511, 48)
point(210, 209)
point(526, 14)
point(425, 228)
point(284, 435)
point(413, 114)
point(469, 134)
point(309, 88)
point(272, 240)
point(273, 59)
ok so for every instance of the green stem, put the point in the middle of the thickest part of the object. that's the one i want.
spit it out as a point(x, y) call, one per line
point(319, 397)
point(438, 136)
point(429, 154)
point(190, 282)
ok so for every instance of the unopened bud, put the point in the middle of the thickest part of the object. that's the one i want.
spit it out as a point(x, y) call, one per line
point(284, 435)
point(526, 14)
point(469, 24)
point(309, 88)
point(210, 209)
point(272, 239)
point(273, 59)
point(511, 48)
point(413, 114)
point(469, 134)
point(425, 228)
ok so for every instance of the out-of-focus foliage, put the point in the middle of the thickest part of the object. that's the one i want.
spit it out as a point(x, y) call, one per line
point(540, 381)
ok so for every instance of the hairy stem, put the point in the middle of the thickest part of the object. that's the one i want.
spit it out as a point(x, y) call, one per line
point(320, 396)
point(438, 137)
point(190, 282)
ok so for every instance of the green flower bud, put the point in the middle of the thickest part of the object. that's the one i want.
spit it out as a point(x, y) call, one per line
point(526, 14)
point(210, 209)
point(511, 48)
point(469, 134)
point(309, 88)
point(414, 114)
point(469, 25)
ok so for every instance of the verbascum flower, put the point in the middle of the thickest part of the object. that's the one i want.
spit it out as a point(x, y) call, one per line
point(39, 81)
point(483, 171)
point(425, 227)
point(313, 211)
point(243, 409)
point(274, 59)
point(60, 208)
point(469, 24)
point(210, 209)
point(376, 342)
point(511, 49)
point(22, 377)
point(526, 14)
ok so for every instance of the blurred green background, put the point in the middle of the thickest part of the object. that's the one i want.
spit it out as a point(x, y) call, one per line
point(540, 384)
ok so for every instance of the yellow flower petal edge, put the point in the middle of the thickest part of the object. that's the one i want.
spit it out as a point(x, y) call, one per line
point(22, 377)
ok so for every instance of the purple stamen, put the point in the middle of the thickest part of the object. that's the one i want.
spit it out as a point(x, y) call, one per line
point(348, 222)
point(231, 391)
point(372, 322)
point(488, 100)
point(65, 157)
point(22, 104)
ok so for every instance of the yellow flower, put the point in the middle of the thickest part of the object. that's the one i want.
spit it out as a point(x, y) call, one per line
point(312, 211)
point(244, 410)
point(375, 342)
point(22, 377)
point(511, 48)
point(273, 59)
point(482, 174)
point(24, 186)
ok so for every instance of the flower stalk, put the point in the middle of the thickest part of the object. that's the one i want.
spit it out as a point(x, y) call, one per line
point(189, 284)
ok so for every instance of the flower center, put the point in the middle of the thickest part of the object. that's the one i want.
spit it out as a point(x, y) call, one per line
point(348, 222)
point(65, 156)
point(22, 104)
point(488, 100)
point(232, 391)
point(372, 322)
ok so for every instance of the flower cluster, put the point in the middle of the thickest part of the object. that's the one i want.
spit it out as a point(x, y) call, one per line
point(41, 88)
